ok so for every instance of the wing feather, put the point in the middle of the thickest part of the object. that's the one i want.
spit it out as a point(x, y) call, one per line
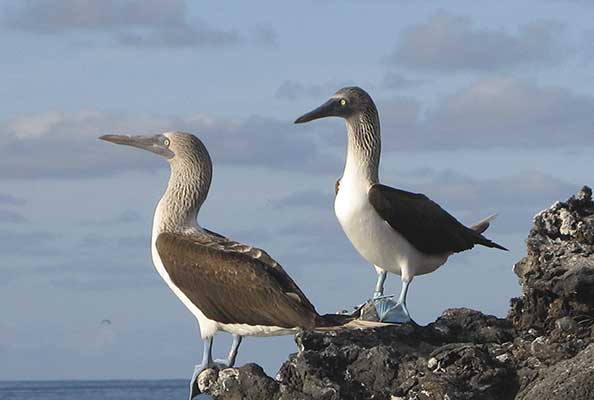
point(426, 225)
point(230, 285)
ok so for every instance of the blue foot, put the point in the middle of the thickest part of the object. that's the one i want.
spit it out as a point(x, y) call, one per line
point(194, 391)
point(390, 311)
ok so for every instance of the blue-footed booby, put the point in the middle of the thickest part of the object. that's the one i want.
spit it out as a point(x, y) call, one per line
point(228, 286)
point(397, 231)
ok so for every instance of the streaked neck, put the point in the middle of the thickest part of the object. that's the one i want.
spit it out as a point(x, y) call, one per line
point(364, 148)
point(177, 211)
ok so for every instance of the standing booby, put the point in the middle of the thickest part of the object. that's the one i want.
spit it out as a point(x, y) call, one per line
point(397, 231)
point(228, 286)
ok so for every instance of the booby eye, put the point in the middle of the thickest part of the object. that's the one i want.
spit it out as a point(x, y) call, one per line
point(343, 102)
point(166, 142)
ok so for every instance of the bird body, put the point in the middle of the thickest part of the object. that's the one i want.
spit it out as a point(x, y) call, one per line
point(374, 238)
point(397, 231)
point(228, 286)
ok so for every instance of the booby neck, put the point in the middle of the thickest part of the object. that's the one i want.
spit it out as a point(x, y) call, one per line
point(188, 185)
point(363, 148)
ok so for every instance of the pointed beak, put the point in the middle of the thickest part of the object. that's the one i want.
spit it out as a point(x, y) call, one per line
point(328, 109)
point(155, 144)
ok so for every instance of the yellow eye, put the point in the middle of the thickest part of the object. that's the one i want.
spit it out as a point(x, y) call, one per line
point(343, 102)
point(166, 142)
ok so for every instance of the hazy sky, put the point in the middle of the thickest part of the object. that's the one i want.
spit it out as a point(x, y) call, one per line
point(485, 107)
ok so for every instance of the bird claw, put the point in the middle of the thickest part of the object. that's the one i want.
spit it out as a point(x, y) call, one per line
point(198, 369)
point(390, 311)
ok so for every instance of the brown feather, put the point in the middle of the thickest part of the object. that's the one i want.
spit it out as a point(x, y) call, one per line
point(233, 283)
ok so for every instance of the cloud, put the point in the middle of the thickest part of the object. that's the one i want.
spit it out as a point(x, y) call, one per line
point(65, 145)
point(44, 16)
point(138, 23)
point(449, 42)
point(266, 35)
point(293, 90)
point(30, 243)
point(125, 217)
point(9, 216)
point(463, 192)
point(181, 36)
point(88, 267)
point(493, 112)
point(498, 111)
point(57, 144)
point(394, 80)
point(10, 200)
point(306, 198)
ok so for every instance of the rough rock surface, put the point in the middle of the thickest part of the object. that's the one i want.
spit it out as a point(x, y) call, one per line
point(557, 275)
point(544, 350)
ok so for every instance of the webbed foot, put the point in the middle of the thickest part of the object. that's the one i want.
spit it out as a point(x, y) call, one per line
point(391, 311)
point(198, 369)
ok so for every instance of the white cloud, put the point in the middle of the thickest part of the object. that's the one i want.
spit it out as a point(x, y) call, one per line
point(293, 90)
point(60, 144)
point(451, 42)
point(138, 23)
point(35, 125)
point(44, 16)
point(498, 111)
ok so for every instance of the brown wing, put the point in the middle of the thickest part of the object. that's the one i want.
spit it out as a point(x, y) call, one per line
point(269, 263)
point(231, 286)
point(426, 225)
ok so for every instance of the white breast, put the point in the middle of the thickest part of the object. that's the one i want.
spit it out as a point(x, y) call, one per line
point(208, 327)
point(374, 238)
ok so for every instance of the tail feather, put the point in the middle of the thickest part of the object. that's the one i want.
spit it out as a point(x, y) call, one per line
point(489, 243)
point(340, 322)
point(484, 224)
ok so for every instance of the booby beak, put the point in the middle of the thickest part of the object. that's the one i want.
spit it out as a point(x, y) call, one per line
point(158, 144)
point(328, 109)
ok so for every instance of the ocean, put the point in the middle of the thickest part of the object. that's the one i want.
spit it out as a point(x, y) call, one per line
point(95, 390)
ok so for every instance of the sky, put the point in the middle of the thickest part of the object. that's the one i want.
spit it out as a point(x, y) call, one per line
point(485, 107)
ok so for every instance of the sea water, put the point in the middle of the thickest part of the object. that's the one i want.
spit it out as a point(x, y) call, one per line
point(95, 390)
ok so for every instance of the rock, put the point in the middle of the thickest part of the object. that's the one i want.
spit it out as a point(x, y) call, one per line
point(566, 324)
point(543, 350)
point(401, 361)
point(247, 382)
point(557, 275)
point(571, 379)
point(473, 326)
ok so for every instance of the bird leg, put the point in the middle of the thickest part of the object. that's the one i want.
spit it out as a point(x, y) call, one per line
point(230, 361)
point(394, 312)
point(207, 362)
point(379, 286)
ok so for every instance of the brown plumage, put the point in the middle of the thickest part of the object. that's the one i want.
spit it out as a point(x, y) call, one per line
point(234, 284)
point(426, 225)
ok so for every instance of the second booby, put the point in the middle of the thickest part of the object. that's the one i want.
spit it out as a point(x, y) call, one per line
point(397, 231)
point(228, 286)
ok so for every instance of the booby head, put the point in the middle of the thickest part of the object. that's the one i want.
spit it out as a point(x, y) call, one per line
point(346, 103)
point(173, 146)
point(191, 174)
